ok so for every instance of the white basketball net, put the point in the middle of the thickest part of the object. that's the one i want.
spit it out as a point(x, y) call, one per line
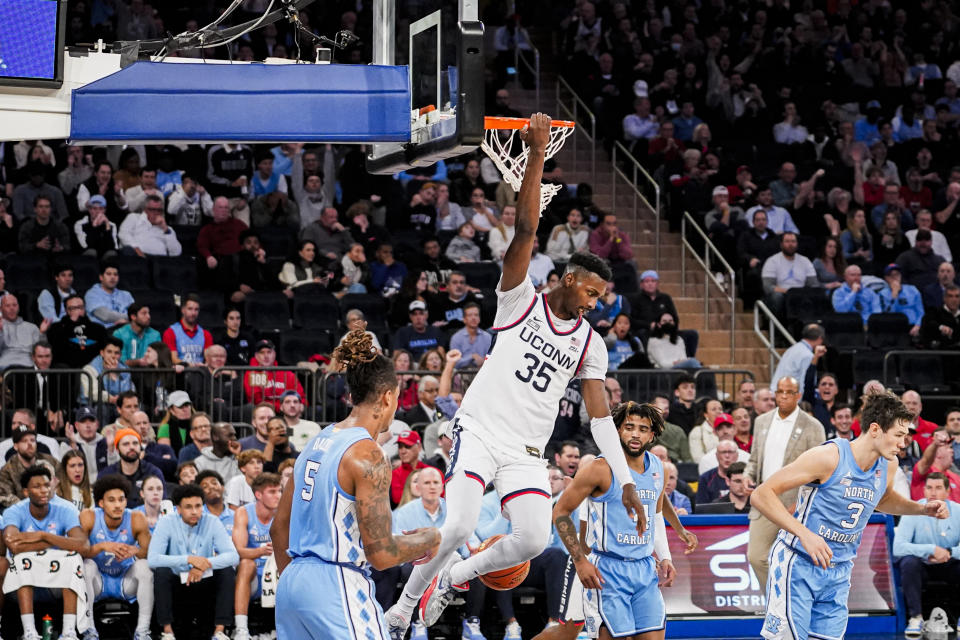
point(512, 167)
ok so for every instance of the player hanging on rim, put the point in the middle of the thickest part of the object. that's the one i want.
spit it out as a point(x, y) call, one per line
point(841, 484)
point(621, 595)
point(508, 413)
point(334, 518)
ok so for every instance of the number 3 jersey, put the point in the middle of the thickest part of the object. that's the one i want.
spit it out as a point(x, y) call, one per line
point(611, 530)
point(513, 401)
point(838, 509)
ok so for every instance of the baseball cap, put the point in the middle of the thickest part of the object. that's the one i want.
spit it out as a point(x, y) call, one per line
point(417, 305)
point(720, 191)
point(409, 438)
point(723, 418)
point(97, 199)
point(21, 431)
point(641, 89)
point(263, 344)
point(893, 266)
point(873, 104)
point(84, 413)
point(178, 399)
point(649, 273)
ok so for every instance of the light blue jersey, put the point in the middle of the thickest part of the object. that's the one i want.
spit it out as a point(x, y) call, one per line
point(225, 517)
point(611, 530)
point(258, 533)
point(838, 509)
point(106, 562)
point(630, 602)
point(327, 552)
point(804, 600)
point(61, 517)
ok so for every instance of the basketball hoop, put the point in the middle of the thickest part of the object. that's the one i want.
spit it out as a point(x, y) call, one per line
point(512, 165)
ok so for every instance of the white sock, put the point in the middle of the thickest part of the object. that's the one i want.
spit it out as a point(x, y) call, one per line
point(69, 624)
point(240, 622)
point(29, 626)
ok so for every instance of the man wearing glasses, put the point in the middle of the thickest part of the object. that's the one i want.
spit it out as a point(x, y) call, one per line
point(779, 437)
point(147, 233)
point(75, 338)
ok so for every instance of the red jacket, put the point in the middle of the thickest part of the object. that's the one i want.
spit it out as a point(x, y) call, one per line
point(268, 386)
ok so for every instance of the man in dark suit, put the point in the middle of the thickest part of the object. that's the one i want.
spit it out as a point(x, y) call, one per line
point(941, 325)
point(46, 393)
point(426, 410)
point(791, 431)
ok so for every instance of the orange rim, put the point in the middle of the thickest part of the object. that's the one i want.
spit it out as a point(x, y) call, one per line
point(502, 122)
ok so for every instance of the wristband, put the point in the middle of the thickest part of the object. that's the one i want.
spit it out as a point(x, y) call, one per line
point(660, 544)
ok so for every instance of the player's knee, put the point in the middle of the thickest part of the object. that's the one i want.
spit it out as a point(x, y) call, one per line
point(141, 570)
point(456, 532)
point(532, 542)
point(245, 567)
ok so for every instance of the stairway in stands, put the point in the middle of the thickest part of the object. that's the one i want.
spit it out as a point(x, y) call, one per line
point(714, 349)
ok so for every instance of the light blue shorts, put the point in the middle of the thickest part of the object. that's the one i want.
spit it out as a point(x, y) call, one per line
point(316, 599)
point(630, 601)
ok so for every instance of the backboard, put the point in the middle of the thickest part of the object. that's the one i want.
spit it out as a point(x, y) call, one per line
point(441, 42)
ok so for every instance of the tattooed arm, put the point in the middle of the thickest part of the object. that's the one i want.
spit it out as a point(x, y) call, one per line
point(593, 478)
point(370, 473)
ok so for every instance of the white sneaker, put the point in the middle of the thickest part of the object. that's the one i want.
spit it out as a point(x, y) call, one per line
point(938, 622)
point(418, 631)
point(142, 635)
point(241, 634)
point(512, 631)
point(219, 635)
point(914, 627)
point(397, 623)
point(471, 629)
point(438, 595)
point(167, 636)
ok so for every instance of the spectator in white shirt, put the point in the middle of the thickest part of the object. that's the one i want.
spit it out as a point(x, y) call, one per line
point(924, 220)
point(189, 203)
point(137, 196)
point(449, 214)
point(147, 233)
point(566, 239)
point(784, 271)
point(640, 124)
point(540, 267)
point(778, 218)
point(790, 131)
point(502, 234)
point(238, 492)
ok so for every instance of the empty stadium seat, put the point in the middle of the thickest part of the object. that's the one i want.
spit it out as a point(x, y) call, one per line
point(319, 311)
point(299, 345)
point(482, 275)
point(868, 365)
point(267, 311)
point(625, 278)
point(177, 274)
point(844, 330)
point(805, 304)
point(888, 331)
point(135, 272)
point(187, 236)
point(27, 299)
point(374, 307)
point(163, 309)
point(924, 373)
point(211, 309)
point(86, 272)
point(27, 272)
point(277, 242)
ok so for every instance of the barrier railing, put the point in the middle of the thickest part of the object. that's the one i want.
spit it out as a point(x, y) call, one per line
point(578, 111)
point(154, 386)
point(774, 328)
point(638, 180)
point(726, 381)
point(534, 68)
point(710, 254)
point(59, 392)
point(236, 390)
point(897, 353)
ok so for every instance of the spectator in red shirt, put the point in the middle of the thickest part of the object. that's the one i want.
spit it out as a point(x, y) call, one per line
point(915, 195)
point(187, 339)
point(408, 444)
point(925, 428)
point(268, 386)
point(218, 240)
point(937, 457)
point(665, 145)
point(609, 242)
point(743, 425)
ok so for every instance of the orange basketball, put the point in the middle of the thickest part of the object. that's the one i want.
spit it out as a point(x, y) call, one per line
point(504, 579)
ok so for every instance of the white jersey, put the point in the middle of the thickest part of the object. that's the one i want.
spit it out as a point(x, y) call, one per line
point(513, 401)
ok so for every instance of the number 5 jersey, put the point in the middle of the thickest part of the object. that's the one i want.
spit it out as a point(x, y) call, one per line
point(513, 401)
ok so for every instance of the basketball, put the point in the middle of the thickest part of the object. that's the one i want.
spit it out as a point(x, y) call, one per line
point(504, 579)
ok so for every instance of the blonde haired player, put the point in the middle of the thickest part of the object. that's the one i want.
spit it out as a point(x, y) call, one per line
point(507, 414)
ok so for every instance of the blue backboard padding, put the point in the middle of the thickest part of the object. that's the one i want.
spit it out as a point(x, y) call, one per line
point(245, 102)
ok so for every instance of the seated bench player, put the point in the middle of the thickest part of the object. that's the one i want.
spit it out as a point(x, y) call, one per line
point(116, 561)
point(41, 523)
point(251, 537)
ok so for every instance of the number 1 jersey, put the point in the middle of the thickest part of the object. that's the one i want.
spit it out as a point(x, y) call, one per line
point(513, 401)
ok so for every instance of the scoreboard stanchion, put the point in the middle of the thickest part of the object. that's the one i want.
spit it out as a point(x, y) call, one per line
point(717, 595)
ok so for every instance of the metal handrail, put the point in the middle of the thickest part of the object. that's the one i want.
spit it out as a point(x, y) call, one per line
point(709, 276)
point(911, 352)
point(573, 112)
point(775, 327)
point(535, 69)
point(620, 150)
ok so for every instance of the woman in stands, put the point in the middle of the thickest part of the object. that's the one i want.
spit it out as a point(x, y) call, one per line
point(303, 269)
point(623, 346)
point(702, 437)
point(569, 238)
point(431, 361)
point(830, 265)
point(502, 234)
point(73, 481)
point(402, 361)
point(855, 240)
point(153, 507)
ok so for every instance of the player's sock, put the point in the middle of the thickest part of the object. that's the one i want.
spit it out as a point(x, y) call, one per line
point(29, 625)
point(239, 621)
point(69, 624)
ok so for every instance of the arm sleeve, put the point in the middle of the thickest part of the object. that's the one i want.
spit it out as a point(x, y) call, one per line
point(660, 544)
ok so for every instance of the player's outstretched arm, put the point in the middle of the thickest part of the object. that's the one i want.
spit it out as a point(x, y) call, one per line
point(516, 260)
point(815, 464)
point(688, 537)
point(370, 473)
point(896, 505)
point(592, 477)
point(604, 433)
